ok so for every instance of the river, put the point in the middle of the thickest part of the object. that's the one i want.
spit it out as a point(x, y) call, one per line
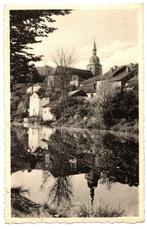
point(68, 168)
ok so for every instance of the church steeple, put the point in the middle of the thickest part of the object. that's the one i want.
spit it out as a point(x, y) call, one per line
point(94, 49)
point(94, 63)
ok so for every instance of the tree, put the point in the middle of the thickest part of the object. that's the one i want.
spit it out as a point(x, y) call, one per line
point(105, 91)
point(63, 60)
point(28, 27)
point(61, 192)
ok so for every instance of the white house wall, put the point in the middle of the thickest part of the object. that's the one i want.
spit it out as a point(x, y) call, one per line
point(33, 139)
point(47, 115)
point(34, 87)
point(46, 132)
point(106, 84)
point(44, 101)
point(34, 105)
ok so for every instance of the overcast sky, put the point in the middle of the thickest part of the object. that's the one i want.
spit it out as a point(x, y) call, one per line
point(115, 32)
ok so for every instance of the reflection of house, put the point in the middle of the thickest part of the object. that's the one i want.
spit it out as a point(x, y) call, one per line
point(38, 137)
point(33, 139)
point(66, 165)
point(46, 113)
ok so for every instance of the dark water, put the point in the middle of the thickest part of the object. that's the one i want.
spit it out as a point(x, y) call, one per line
point(69, 168)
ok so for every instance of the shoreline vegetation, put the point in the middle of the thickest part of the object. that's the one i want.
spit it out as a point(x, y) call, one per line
point(122, 127)
point(114, 110)
point(24, 207)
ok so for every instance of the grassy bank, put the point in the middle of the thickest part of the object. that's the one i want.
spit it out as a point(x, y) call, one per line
point(21, 207)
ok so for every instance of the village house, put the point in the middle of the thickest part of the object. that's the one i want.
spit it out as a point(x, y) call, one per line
point(123, 77)
point(80, 82)
point(36, 103)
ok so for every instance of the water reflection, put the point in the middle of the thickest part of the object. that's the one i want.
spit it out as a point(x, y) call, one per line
point(61, 155)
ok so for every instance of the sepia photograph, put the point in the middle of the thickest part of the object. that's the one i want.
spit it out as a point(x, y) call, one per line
point(74, 140)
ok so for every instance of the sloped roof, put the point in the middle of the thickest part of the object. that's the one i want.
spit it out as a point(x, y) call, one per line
point(93, 80)
point(118, 70)
point(76, 92)
point(85, 74)
point(41, 93)
point(87, 88)
point(124, 75)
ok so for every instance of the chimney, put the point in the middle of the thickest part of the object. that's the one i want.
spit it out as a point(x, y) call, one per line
point(127, 69)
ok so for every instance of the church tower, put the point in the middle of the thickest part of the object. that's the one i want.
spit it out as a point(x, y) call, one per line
point(94, 63)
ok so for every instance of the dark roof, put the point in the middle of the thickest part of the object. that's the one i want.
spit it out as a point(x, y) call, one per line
point(42, 93)
point(93, 80)
point(85, 74)
point(133, 80)
point(112, 72)
point(78, 92)
point(88, 88)
point(124, 75)
point(118, 70)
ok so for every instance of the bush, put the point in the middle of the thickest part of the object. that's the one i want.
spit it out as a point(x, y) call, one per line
point(74, 106)
point(122, 106)
point(112, 106)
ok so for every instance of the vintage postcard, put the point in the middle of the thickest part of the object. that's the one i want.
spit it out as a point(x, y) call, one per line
point(74, 114)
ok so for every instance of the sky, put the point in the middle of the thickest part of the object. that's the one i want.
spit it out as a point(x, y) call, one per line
point(115, 32)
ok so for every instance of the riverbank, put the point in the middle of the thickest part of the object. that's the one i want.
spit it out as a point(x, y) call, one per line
point(23, 207)
point(123, 127)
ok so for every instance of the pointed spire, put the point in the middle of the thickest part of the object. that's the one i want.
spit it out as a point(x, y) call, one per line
point(94, 49)
point(94, 46)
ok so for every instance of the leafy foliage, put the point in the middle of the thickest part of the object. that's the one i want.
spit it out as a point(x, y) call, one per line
point(124, 105)
point(28, 27)
point(61, 192)
point(77, 106)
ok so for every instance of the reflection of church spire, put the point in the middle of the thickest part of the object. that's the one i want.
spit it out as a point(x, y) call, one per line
point(92, 178)
point(92, 196)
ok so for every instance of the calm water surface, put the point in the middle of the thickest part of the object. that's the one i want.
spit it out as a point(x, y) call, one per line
point(67, 168)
